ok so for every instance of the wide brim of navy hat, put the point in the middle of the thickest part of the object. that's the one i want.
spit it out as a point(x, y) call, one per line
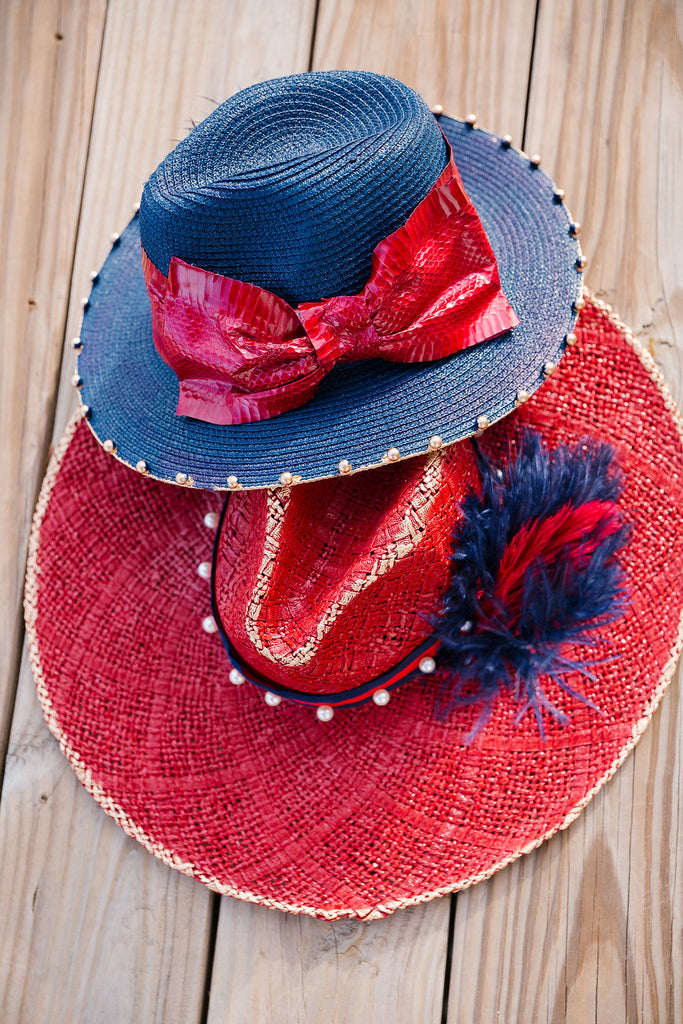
point(364, 409)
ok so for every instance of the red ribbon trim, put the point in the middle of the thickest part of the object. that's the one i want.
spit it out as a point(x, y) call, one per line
point(242, 354)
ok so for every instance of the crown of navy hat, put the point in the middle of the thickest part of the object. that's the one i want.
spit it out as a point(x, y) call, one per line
point(291, 184)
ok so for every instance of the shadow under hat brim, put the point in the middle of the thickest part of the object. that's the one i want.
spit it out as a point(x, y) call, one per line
point(381, 807)
point(360, 410)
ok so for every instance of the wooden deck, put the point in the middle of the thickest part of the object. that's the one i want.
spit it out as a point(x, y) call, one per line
point(94, 930)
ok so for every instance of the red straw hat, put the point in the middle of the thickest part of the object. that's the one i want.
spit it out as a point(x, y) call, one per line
point(357, 690)
point(336, 592)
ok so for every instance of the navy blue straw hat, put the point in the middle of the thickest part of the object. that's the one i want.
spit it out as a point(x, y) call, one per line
point(290, 185)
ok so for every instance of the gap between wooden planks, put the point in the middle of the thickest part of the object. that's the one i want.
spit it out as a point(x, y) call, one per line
point(589, 926)
point(476, 57)
point(49, 71)
point(95, 929)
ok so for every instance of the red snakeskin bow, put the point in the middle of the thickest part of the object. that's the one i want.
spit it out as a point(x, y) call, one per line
point(242, 354)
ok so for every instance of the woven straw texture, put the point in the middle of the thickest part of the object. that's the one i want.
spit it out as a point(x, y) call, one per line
point(299, 570)
point(362, 409)
point(382, 807)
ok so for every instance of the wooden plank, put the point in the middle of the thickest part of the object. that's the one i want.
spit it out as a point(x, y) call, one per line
point(605, 113)
point(469, 57)
point(270, 967)
point(94, 928)
point(49, 55)
point(589, 926)
point(276, 967)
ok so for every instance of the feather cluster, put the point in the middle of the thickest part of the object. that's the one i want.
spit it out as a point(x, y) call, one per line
point(535, 569)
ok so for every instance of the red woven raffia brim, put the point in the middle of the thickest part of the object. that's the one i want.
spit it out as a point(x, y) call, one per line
point(382, 807)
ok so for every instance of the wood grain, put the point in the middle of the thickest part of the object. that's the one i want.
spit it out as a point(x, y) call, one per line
point(605, 113)
point(589, 926)
point(95, 929)
point(273, 967)
point(49, 54)
point(469, 57)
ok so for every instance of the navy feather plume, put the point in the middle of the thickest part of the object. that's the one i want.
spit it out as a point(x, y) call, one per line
point(535, 568)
